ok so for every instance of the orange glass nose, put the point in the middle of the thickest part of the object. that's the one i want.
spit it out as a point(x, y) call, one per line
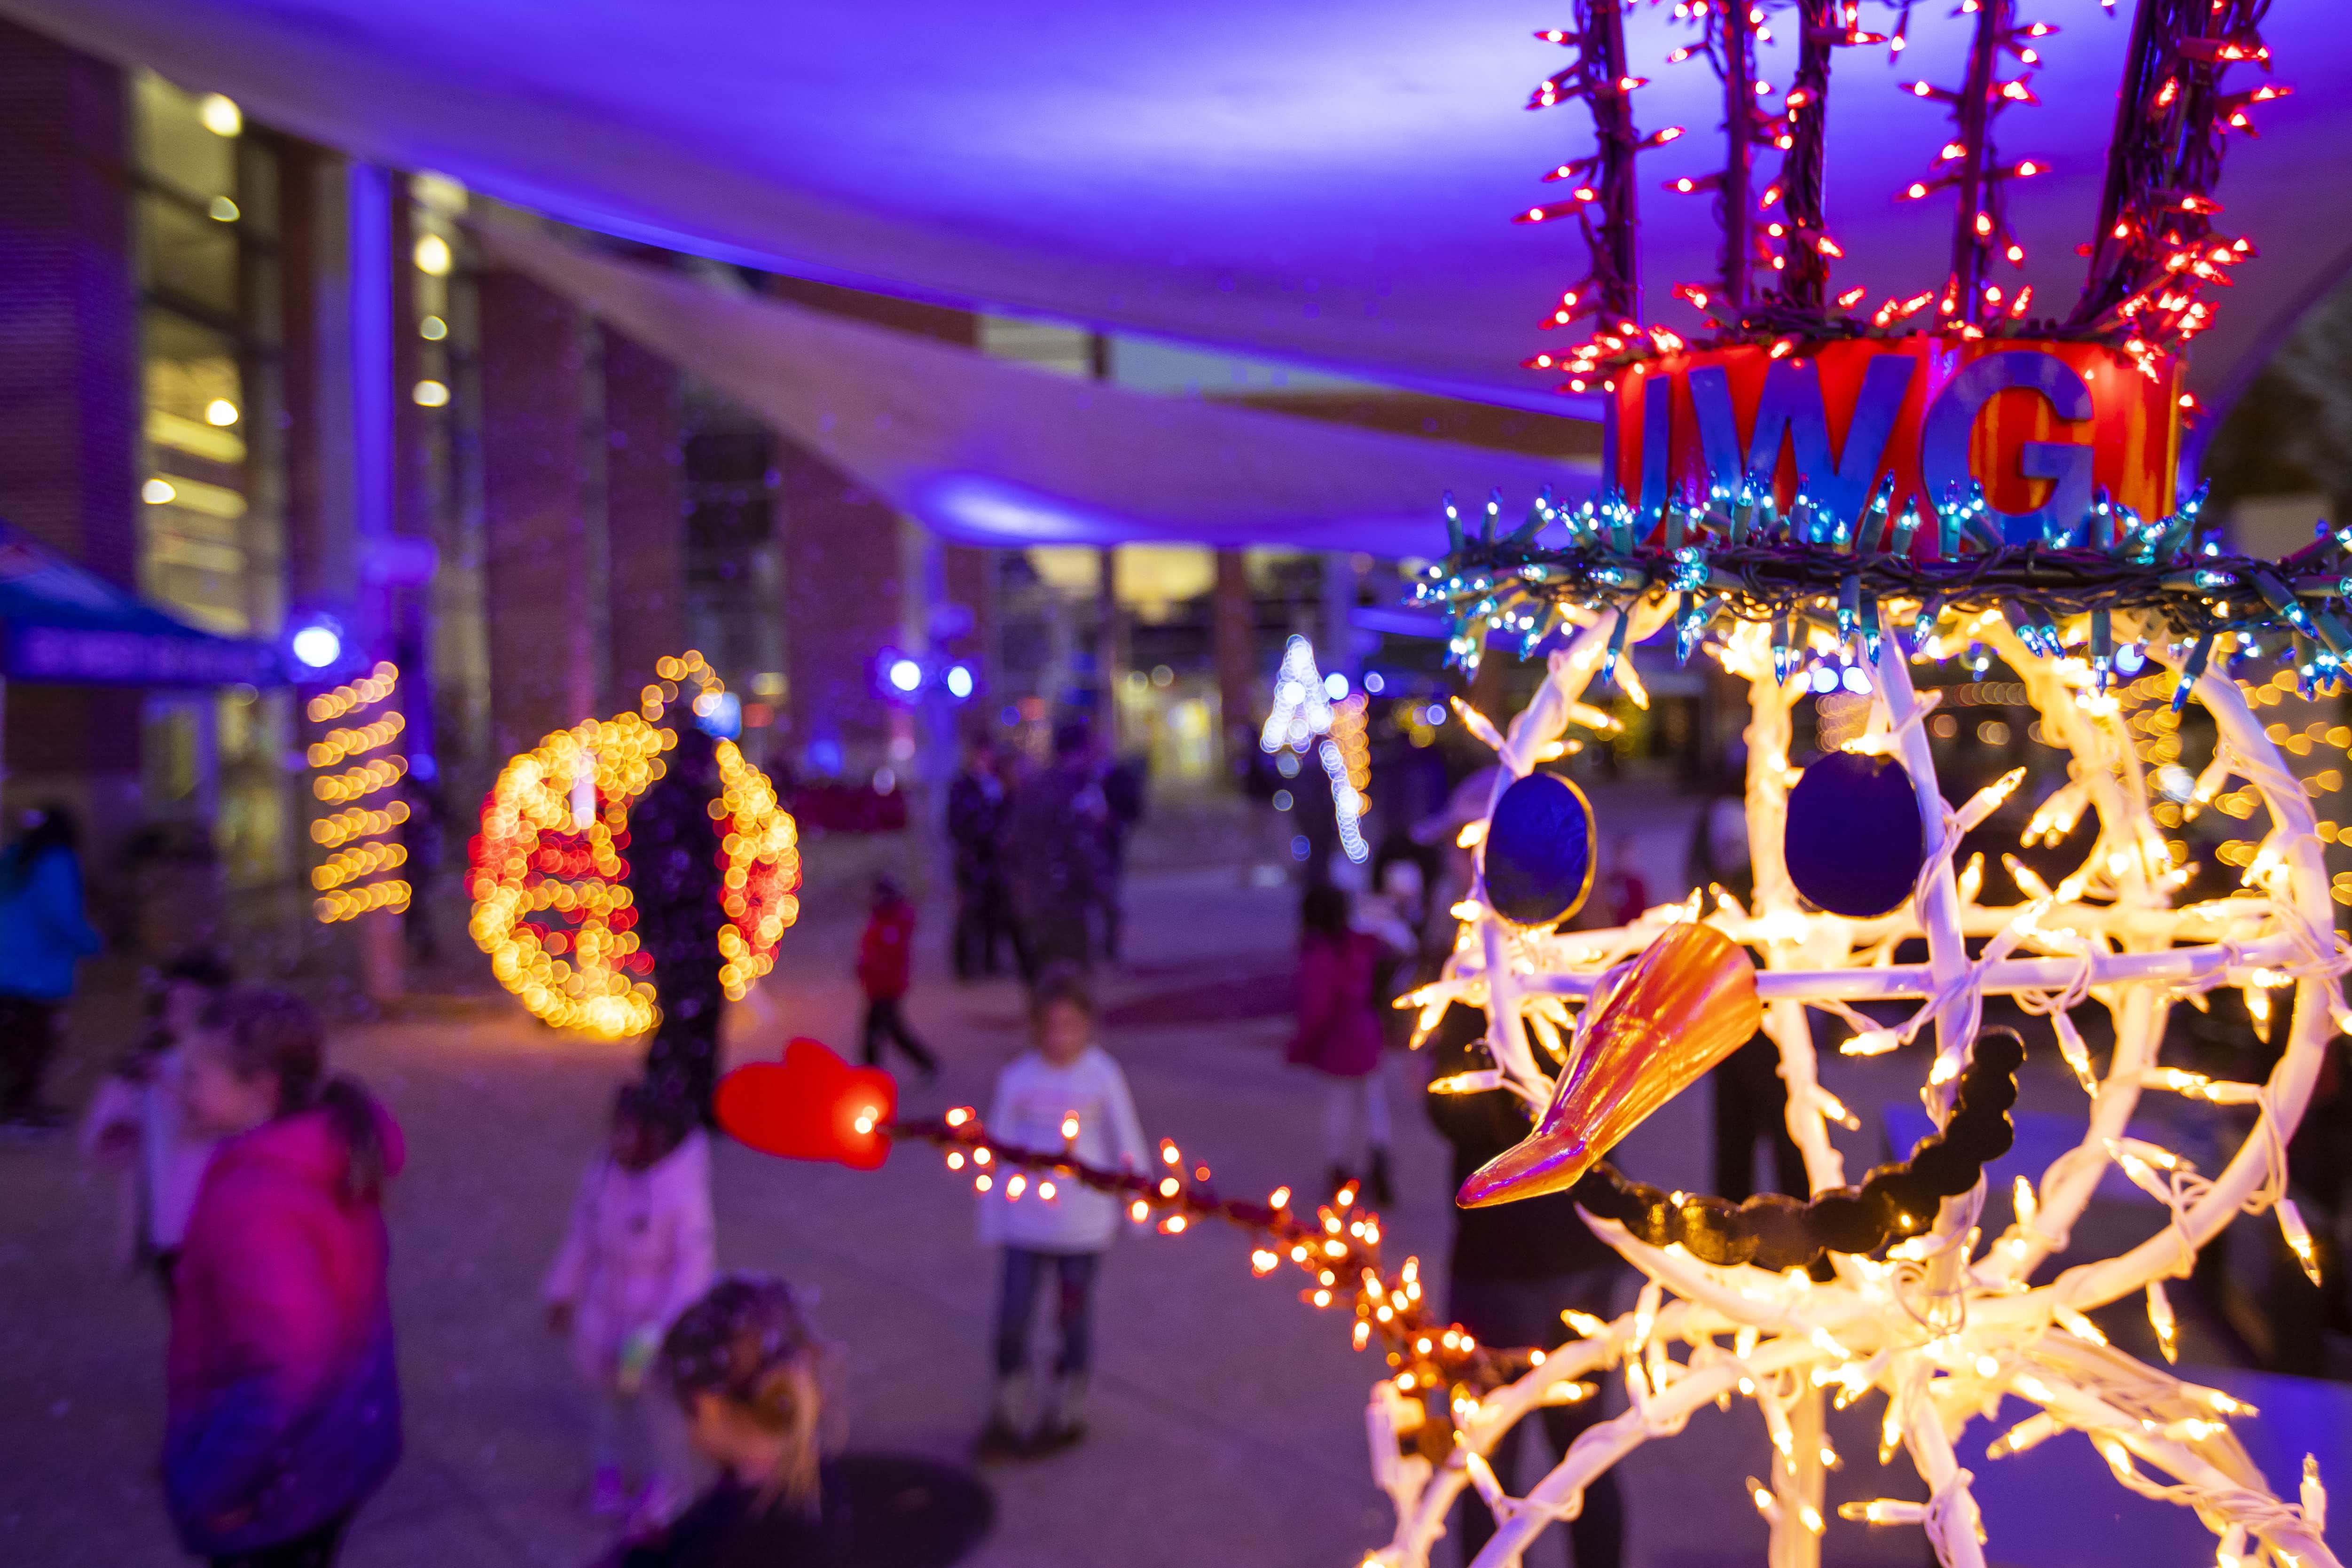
point(1685, 1003)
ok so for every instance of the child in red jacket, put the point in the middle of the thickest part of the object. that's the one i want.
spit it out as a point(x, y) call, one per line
point(885, 960)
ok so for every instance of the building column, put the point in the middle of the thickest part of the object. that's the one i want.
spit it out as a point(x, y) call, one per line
point(843, 582)
point(413, 484)
point(971, 605)
point(545, 628)
point(1233, 644)
point(69, 377)
point(645, 528)
point(1110, 648)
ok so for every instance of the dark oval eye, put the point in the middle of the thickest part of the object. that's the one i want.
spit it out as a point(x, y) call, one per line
point(1538, 857)
point(1853, 842)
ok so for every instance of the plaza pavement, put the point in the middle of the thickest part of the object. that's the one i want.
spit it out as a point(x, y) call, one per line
point(1227, 1416)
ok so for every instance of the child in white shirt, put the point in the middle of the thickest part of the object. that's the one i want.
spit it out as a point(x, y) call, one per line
point(1067, 1230)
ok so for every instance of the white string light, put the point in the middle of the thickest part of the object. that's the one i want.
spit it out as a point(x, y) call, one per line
point(1315, 713)
point(1947, 1325)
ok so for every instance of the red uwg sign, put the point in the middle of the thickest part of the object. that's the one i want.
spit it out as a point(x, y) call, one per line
point(2043, 426)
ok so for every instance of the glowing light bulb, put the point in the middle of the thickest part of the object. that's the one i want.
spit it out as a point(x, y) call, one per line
point(317, 645)
point(219, 114)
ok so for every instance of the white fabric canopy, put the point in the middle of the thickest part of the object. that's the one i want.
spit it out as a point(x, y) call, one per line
point(996, 453)
point(1318, 180)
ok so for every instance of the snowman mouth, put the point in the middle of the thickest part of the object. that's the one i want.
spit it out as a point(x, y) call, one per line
point(1894, 1204)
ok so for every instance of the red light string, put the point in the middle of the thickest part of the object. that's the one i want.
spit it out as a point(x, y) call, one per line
point(2151, 265)
point(1979, 224)
point(1731, 46)
point(1805, 275)
point(2156, 252)
point(1339, 1249)
point(1602, 198)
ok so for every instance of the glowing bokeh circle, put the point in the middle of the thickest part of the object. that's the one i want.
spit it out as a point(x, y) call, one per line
point(549, 874)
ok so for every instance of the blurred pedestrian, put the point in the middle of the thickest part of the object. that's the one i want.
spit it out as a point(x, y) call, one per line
point(1399, 888)
point(976, 804)
point(1718, 855)
point(1397, 912)
point(746, 1367)
point(1064, 1094)
point(283, 1400)
point(2304, 1315)
point(885, 956)
point(674, 851)
point(1751, 1107)
point(1512, 1270)
point(1339, 1035)
point(1621, 894)
point(641, 1248)
point(1053, 850)
point(43, 934)
point(137, 1124)
point(1123, 790)
point(1752, 1100)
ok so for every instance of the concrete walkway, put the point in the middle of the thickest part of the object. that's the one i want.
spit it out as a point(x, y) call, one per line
point(1228, 1425)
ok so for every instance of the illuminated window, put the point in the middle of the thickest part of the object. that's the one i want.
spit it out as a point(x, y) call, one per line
point(204, 224)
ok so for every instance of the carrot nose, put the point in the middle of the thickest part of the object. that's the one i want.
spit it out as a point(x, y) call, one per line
point(1685, 1003)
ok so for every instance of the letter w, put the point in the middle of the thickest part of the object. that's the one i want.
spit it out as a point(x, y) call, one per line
point(1791, 407)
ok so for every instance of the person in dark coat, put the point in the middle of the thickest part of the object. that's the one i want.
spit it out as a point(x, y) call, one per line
point(1123, 796)
point(43, 934)
point(282, 1398)
point(674, 856)
point(1513, 1269)
point(976, 805)
point(1751, 1107)
point(2319, 1179)
point(1751, 1101)
point(1054, 847)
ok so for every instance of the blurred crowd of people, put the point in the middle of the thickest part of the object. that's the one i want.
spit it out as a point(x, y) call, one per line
point(1040, 853)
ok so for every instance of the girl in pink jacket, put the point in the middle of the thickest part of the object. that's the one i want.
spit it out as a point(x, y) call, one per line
point(641, 1248)
point(283, 1410)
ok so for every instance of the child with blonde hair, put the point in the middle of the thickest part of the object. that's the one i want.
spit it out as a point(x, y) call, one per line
point(744, 1363)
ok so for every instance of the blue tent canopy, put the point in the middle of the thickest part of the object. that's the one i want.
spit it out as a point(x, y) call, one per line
point(59, 623)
